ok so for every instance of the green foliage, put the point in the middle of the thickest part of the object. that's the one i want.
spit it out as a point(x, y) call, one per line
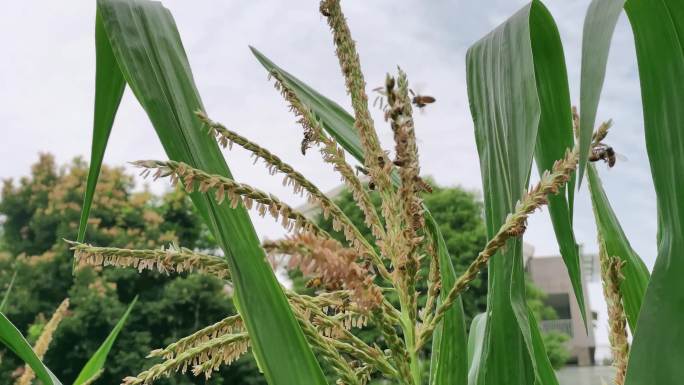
point(43, 208)
point(535, 301)
point(555, 343)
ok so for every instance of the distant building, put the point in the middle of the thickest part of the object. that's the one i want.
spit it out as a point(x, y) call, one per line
point(550, 275)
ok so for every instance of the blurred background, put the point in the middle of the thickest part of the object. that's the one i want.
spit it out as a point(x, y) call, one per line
point(46, 99)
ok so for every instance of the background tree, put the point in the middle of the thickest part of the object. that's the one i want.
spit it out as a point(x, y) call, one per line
point(42, 209)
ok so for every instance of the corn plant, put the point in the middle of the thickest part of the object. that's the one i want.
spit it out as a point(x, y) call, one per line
point(521, 108)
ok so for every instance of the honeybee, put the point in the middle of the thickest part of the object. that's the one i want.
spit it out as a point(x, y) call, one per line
point(518, 229)
point(603, 152)
point(381, 161)
point(314, 283)
point(423, 186)
point(421, 101)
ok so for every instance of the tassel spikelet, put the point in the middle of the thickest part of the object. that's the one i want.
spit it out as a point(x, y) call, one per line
point(299, 183)
point(204, 358)
point(515, 225)
point(375, 361)
point(396, 346)
point(331, 152)
point(323, 346)
point(400, 116)
point(334, 155)
point(375, 159)
point(339, 336)
point(172, 259)
point(611, 275)
point(601, 132)
point(305, 117)
point(43, 343)
point(363, 374)
point(335, 306)
point(434, 285)
point(228, 325)
point(335, 265)
point(598, 135)
point(333, 323)
point(226, 189)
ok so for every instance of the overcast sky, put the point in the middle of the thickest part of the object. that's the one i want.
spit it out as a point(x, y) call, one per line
point(47, 85)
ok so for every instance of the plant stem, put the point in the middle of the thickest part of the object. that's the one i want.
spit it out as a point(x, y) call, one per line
point(408, 326)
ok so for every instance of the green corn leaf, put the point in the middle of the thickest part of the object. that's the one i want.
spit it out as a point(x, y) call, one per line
point(599, 25)
point(98, 359)
point(656, 356)
point(339, 124)
point(336, 121)
point(108, 92)
point(546, 373)
point(12, 338)
point(509, 88)
point(475, 344)
point(634, 270)
point(5, 297)
point(448, 364)
point(145, 47)
point(555, 136)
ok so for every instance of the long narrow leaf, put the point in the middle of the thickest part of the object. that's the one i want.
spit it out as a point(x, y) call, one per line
point(507, 112)
point(657, 355)
point(143, 39)
point(449, 363)
point(633, 287)
point(475, 344)
point(555, 136)
point(98, 359)
point(108, 93)
point(336, 121)
point(5, 297)
point(339, 124)
point(599, 25)
point(12, 338)
point(546, 373)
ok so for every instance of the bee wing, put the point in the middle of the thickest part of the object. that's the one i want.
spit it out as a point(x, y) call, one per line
point(380, 90)
point(418, 88)
point(621, 157)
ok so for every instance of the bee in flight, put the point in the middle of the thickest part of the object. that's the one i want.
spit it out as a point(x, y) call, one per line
point(417, 100)
point(421, 101)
